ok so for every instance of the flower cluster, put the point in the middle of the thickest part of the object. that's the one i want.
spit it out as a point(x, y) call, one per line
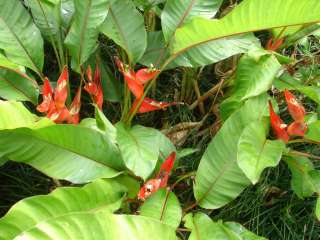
point(54, 102)
point(161, 179)
point(94, 87)
point(136, 82)
point(297, 128)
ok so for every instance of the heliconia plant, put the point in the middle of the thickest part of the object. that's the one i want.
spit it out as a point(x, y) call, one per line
point(117, 175)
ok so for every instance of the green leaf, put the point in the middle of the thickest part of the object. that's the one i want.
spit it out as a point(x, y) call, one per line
point(67, 11)
point(164, 207)
point(313, 132)
point(255, 73)
point(105, 125)
point(16, 85)
point(301, 181)
point(99, 226)
point(47, 17)
point(256, 152)
point(219, 179)
point(19, 37)
point(248, 16)
point(313, 92)
point(74, 153)
point(125, 26)
point(204, 228)
point(15, 115)
point(315, 178)
point(83, 35)
point(139, 148)
point(99, 196)
point(175, 13)
point(132, 184)
point(318, 208)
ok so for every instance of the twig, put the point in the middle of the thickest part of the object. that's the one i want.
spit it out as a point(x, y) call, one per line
point(297, 153)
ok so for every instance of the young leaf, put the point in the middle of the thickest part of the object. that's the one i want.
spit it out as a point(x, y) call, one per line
point(105, 125)
point(248, 16)
point(301, 181)
point(74, 153)
point(219, 179)
point(175, 13)
point(256, 152)
point(101, 195)
point(125, 26)
point(164, 207)
point(16, 85)
point(82, 37)
point(139, 148)
point(204, 228)
point(313, 132)
point(99, 226)
point(19, 37)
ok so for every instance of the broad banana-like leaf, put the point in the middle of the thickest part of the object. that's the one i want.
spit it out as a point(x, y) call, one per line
point(313, 132)
point(16, 85)
point(256, 152)
point(67, 11)
point(83, 35)
point(74, 153)
point(139, 148)
point(19, 37)
point(125, 26)
point(163, 206)
point(27, 214)
point(46, 16)
point(99, 226)
point(219, 179)
point(202, 227)
point(313, 92)
point(248, 16)
point(301, 181)
point(178, 12)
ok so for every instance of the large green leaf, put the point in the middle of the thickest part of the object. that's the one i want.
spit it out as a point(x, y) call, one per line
point(256, 152)
point(19, 37)
point(139, 148)
point(15, 115)
point(101, 195)
point(74, 153)
point(125, 26)
point(248, 16)
point(163, 206)
point(176, 13)
point(67, 11)
point(83, 35)
point(16, 85)
point(255, 74)
point(301, 181)
point(46, 16)
point(203, 228)
point(219, 179)
point(99, 226)
point(313, 92)
point(313, 132)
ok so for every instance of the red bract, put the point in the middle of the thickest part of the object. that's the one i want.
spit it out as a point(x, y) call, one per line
point(61, 91)
point(274, 45)
point(94, 87)
point(279, 128)
point(145, 75)
point(75, 108)
point(161, 179)
point(297, 129)
point(149, 105)
point(296, 110)
point(47, 95)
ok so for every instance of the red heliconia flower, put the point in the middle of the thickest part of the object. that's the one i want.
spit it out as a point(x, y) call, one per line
point(274, 45)
point(165, 169)
point(59, 115)
point(297, 129)
point(160, 181)
point(94, 87)
point(61, 91)
point(75, 108)
point(279, 128)
point(149, 105)
point(144, 75)
point(47, 95)
point(296, 110)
